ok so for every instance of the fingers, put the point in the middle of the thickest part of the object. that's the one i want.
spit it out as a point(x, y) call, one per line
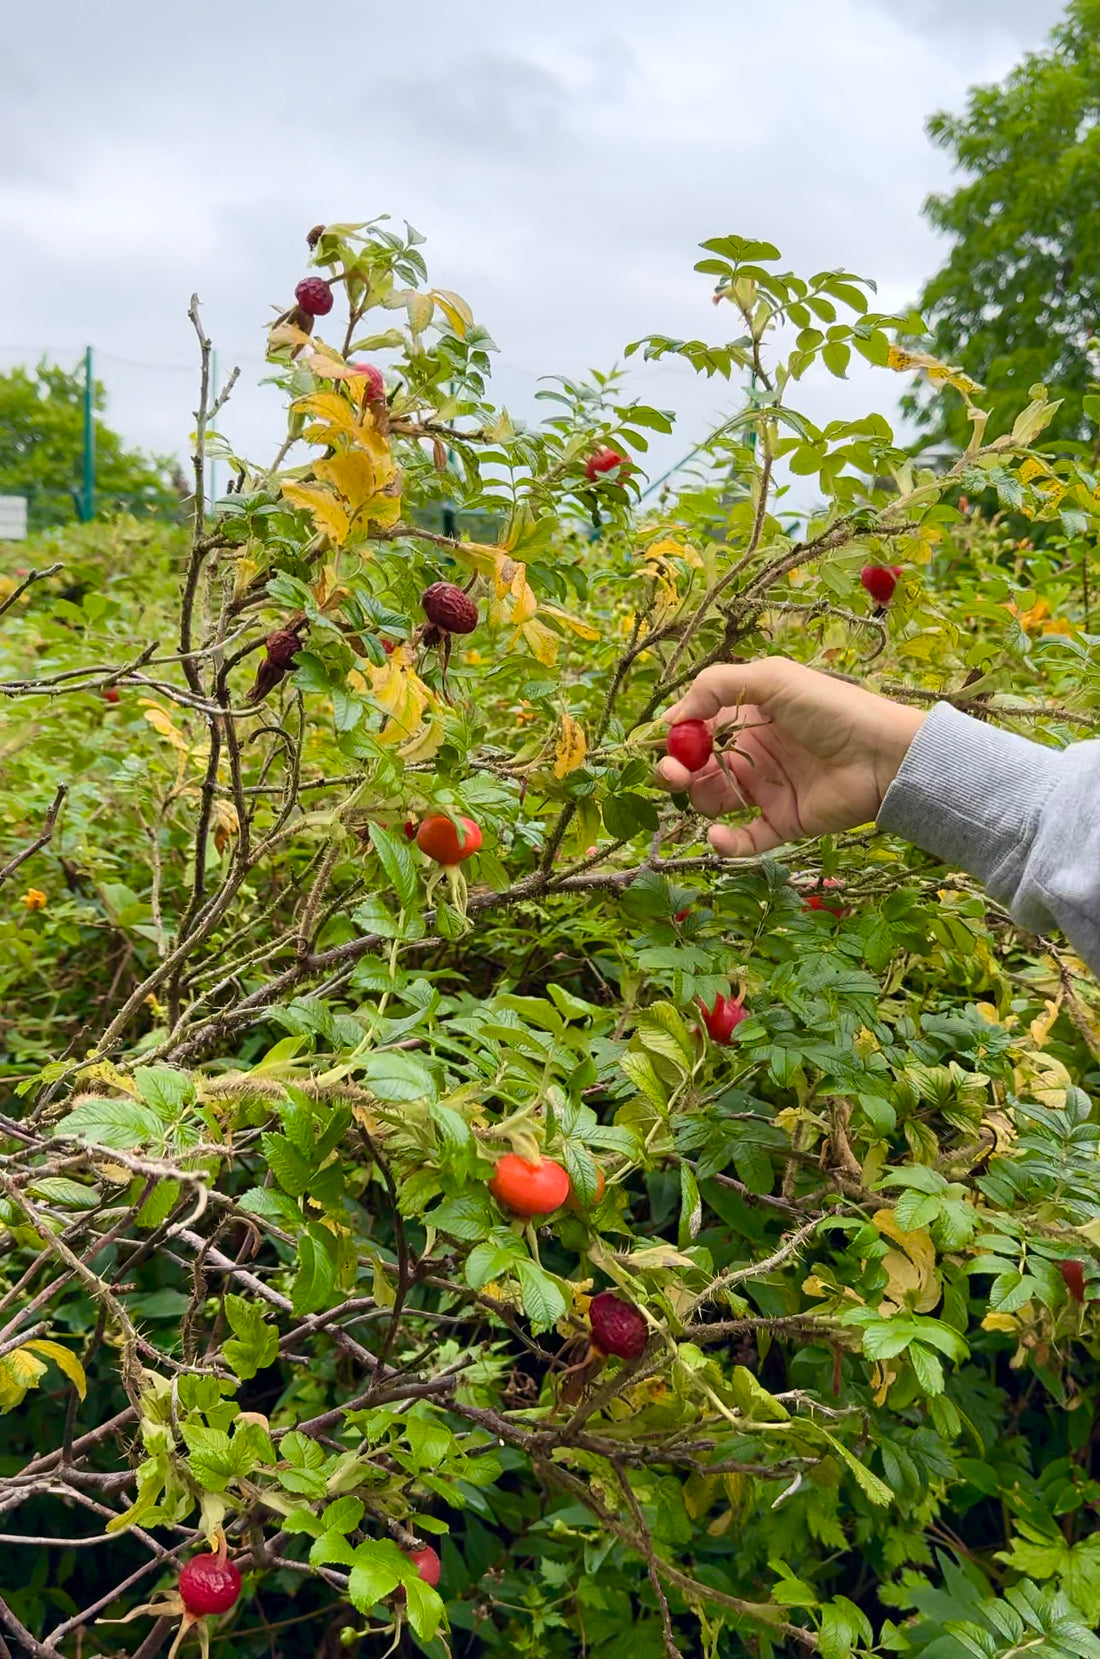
point(711, 790)
point(726, 685)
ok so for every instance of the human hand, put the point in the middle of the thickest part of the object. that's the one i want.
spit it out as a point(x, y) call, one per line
point(812, 753)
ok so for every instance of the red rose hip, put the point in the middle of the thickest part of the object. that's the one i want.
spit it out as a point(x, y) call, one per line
point(314, 295)
point(439, 839)
point(427, 1564)
point(529, 1189)
point(209, 1585)
point(617, 1326)
point(690, 742)
point(375, 388)
point(604, 460)
point(447, 607)
point(880, 581)
point(723, 1019)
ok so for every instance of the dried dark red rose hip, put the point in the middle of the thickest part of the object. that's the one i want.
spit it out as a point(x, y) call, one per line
point(448, 608)
point(617, 1326)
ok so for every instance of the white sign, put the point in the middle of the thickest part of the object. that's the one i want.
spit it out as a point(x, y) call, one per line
point(13, 517)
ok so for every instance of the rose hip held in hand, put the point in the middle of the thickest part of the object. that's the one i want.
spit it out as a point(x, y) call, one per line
point(690, 742)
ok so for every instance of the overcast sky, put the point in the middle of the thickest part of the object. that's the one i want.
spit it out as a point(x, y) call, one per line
point(562, 161)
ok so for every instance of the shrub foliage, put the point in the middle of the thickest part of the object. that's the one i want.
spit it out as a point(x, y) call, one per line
point(263, 1055)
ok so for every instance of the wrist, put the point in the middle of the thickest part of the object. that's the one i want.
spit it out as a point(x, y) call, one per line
point(897, 736)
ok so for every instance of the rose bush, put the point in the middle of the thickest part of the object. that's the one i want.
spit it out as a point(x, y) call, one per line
point(265, 1058)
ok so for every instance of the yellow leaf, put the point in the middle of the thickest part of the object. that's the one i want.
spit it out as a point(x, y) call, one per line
point(19, 1371)
point(288, 334)
point(333, 412)
point(64, 1359)
point(542, 644)
point(570, 750)
point(937, 372)
point(243, 572)
point(400, 691)
point(668, 548)
point(354, 475)
point(327, 513)
point(224, 824)
point(425, 742)
point(1040, 1027)
point(161, 721)
point(913, 1281)
point(1003, 1321)
point(455, 309)
point(327, 364)
point(573, 623)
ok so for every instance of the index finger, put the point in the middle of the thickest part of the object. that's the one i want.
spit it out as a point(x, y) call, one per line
point(726, 684)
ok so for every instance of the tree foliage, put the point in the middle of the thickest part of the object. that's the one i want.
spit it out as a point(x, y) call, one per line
point(263, 1056)
point(42, 449)
point(1017, 299)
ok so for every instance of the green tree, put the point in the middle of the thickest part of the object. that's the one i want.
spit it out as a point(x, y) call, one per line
point(1018, 298)
point(42, 448)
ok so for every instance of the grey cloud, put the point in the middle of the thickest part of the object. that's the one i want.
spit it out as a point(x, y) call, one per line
point(563, 170)
point(1028, 21)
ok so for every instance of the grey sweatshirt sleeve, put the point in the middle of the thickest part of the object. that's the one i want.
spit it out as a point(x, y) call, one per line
point(1023, 819)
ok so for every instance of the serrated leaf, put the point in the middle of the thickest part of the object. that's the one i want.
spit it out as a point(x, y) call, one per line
point(399, 1078)
point(543, 1302)
point(395, 856)
point(316, 1276)
point(292, 1171)
point(123, 1125)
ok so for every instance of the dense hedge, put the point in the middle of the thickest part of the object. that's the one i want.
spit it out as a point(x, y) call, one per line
point(262, 1056)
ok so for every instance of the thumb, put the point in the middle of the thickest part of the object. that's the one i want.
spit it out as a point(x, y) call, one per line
point(725, 685)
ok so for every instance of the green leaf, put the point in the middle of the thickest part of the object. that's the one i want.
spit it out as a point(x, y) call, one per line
point(543, 1302)
point(425, 1608)
point(399, 1078)
point(66, 1194)
point(292, 1171)
point(166, 1090)
point(836, 356)
point(395, 856)
point(273, 1206)
point(626, 815)
point(316, 1276)
point(866, 1480)
point(121, 1124)
point(255, 1342)
point(379, 1568)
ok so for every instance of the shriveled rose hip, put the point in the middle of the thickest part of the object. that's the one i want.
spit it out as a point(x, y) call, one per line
point(314, 296)
point(617, 1326)
point(448, 608)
